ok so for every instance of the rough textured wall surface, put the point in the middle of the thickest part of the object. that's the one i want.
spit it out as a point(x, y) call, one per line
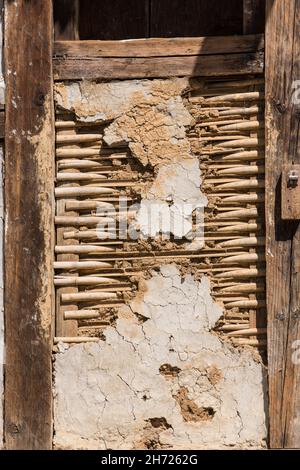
point(149, 116)
point(161, 378)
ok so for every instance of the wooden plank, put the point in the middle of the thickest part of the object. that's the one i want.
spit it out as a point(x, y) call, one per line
point(160, 47)
point(2, 123)
point(282, 237)
point(253, 16)
point(29, 220)
point(171, 18)
point(290, 192)
point(151, 67)
point(66, 16)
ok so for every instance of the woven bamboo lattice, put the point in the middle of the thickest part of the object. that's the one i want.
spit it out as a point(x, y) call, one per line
point(93, 277)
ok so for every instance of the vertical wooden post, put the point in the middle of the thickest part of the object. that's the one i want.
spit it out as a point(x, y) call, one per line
point(283, 237)
point(29, 176)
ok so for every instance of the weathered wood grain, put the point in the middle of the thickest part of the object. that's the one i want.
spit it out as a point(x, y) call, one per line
point(282, 237)
point(29, 148)
point(290, 193)
point(157, 67)
point(160, 47)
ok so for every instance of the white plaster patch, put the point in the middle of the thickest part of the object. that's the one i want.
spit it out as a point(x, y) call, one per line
point(117, 393)
point(169, 204)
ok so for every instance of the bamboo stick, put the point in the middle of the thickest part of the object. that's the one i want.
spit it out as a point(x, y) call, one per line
point(249, 342)
point(82, 220)
point(87, 296)
point(81, 314)
point(64, 176)
point(239, 214)
point(248, 332)
point(235, 327)
point(218, 138)
point(245, 227)
point(247, 241)
point(127, 256)
point(240, 288)
point(242, 126)
point(87, 205)
point(246, 304)
point(83, 164)
point(81, 249)
point(242, 170)
point(248, 111)
point(77, 153)
point(218, 122)
point(81, 265)
point(83, 191)
point(242, 184)
point(75, 339)
point(242, 273)
point(233, 321)
point(245, 198)
point(236, 97)
point(226, 299)
point(247, 155)
point(213, 179)
point(247, 258)
point(240, 143)
point(83, 280)
point(66, 124)
point(90, 152)
point(77, 138)
point(89, 234)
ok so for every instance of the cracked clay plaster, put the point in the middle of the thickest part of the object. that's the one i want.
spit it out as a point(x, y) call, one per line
point(161, 378)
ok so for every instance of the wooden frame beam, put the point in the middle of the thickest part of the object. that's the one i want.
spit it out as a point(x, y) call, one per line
point(150, 58)
point(282, 237)
point(29, 176)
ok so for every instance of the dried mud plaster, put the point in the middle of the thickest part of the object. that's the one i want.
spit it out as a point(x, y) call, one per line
point(150, 117)
point(165, 382)
point(45, 176)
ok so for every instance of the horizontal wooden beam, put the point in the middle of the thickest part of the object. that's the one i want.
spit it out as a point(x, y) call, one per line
point(158, 58)
point(160, 47)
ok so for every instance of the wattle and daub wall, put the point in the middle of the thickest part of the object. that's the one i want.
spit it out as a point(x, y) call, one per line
point(171, 328)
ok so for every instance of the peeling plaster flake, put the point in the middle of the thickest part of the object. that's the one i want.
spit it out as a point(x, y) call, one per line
point(147, 114)
point(117, 393)
point(92, 101)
